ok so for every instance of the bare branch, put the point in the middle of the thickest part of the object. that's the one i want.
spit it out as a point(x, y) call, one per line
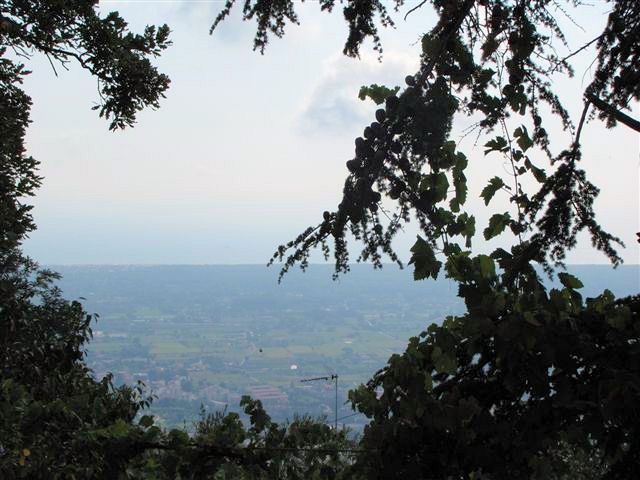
point(576, 142)
point(585, 46)
point(414, 9)
point(611, 110)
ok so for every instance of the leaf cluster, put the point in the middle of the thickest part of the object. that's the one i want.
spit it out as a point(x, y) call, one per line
point(51, 406)
point(494, 60)
point(502, 389)
point(271, 17)
point(73, 30)
point(56, 419)
point(223, 447)
point(529, 382)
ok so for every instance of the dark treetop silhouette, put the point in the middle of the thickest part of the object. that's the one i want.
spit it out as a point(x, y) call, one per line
point(529, 382)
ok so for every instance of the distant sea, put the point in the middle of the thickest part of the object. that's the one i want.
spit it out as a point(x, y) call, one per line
point(316, 284)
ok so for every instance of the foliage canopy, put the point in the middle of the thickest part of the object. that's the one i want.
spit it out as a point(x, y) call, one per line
point(527, 373)
point(529, 382)
point(52, 407)
point(56, 419)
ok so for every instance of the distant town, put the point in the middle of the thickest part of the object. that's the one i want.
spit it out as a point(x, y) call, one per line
point(205, 336)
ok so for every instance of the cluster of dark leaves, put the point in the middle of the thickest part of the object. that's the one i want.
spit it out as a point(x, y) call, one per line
point(492, 59)
point(500, 390)
point(617, 77)
point(50, 404)
point(56, 419)
point(223, 447)
point(271, 17)
point(530, 383)
point(522, 385)
point(117, 58)
point(18, 177)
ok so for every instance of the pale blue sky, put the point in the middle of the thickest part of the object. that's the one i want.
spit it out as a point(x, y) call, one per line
point(248, 150)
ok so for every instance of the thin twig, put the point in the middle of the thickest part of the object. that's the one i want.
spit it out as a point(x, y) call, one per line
point(414, 9)
point(586, 45)
point(576, 142)
point(53, 67)
point(515, 176)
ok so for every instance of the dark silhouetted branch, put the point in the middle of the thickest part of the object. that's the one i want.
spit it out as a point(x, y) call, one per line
point(617, 114)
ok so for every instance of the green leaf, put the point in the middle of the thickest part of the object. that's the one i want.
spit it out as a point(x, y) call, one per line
point(488, 48)
point(619, 318)
point(497, 224)
point(259, 418)
point(603, 300)
point(523, 139)
point(487, 266)
point(490, 190)
point(538, 173)
point(469, 229)
point(428, 382)
point(178, 437)
point(119, 429)
point(436, 353)
point(153, 433)
point(449, 147)
point(445, 363)
point(430, 44)
point(146, 421)
point(497, 144)
point(424, 260)
point(530, 318)
point(451, 248)
point(458, 265)
point(460, 180)
point(377, 93)
point(436, 184)
point(569, 281)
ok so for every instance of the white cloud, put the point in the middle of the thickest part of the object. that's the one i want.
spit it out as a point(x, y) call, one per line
point(333, 103)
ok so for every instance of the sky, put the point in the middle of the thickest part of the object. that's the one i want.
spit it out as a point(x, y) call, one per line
point(247, 150)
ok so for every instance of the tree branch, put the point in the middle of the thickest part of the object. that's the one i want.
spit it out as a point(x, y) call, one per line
point(414, 9)
point(611, 110)
point(576, 142)
point(585, 46)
